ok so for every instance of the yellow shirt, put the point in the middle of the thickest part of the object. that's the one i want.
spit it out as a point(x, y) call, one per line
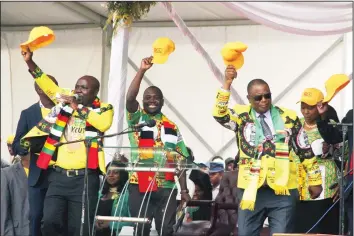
point(72, 156)
point(76, 157)
point(45, 112)
point(26, 170)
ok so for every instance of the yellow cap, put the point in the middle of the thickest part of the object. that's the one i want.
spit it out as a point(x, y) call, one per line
point(232, 54)
point(39, 37)
point(311, 96)
point(162, 47)
point(10, 139)
point(335, 84)
point(41, 129)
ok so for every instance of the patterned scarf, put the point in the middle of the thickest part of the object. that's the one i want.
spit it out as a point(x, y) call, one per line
point(276, 151)
point(58, 128)
point(163, 135)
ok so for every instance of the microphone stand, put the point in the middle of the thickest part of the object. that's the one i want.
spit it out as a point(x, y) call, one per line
point(345, 127)
point(87, 143)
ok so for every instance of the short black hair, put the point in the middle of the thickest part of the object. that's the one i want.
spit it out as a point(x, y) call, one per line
point(255, 82)
point(157, 90)
point(95, 83)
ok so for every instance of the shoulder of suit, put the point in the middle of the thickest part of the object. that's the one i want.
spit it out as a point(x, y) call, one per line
point(31, 107)
point(287, 112)
point(239, 109)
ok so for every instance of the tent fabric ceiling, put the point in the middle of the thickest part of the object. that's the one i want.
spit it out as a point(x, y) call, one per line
point(56, 13)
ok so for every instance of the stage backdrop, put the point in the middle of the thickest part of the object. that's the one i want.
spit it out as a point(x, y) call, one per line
point(275, 56)
point(186, 80)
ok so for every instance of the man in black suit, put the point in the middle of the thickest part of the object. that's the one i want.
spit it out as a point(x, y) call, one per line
point(332, 134)
point(37, 179)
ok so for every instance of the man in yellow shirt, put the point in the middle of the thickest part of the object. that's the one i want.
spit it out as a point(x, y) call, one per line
point(37, 178)
point(72, 119)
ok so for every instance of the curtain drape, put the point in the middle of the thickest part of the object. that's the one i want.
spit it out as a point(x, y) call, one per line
point(305, 18)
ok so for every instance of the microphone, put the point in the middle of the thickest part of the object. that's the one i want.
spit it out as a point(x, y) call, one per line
point(148, 123)
point(78, 98)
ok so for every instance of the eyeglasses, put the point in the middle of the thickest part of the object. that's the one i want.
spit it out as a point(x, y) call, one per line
point(259, 98)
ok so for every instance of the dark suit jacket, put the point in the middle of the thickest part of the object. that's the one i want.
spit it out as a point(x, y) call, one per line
point(28, 119)
point(14, 201)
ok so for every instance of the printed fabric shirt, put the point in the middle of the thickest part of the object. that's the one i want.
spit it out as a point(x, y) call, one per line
point(328, 167)
point(141, 116)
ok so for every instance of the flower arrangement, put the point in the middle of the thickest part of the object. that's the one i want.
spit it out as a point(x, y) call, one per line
point(122, 14)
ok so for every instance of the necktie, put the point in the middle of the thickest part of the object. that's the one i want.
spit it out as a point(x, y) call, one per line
point(266, 130)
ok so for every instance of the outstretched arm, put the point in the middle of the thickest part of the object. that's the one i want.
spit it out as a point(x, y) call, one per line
point(132, 104)
point(221, 113)
point(43, 81)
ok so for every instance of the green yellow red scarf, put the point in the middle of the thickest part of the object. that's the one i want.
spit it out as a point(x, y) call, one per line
point(58, 128)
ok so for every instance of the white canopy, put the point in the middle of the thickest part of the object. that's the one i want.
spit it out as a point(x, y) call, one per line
point(81, 47)
point(91, 14)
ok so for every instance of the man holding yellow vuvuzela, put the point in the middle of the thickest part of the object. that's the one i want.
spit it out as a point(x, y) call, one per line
point(267, 180)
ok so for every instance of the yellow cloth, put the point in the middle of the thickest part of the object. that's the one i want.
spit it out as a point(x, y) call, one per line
point(10, 139)
point(102, 122)
point(162, 48)
point(311, 96)
point(26, 171)
point(229, 118)
point(45, 112)
point(72, 156)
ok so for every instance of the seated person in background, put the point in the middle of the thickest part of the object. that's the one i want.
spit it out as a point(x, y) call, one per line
point(14, 199)
point(229, 164)
point(216, 171)
point(202, 191)
point(112, 201)
point(218, 159)
point(204, 167)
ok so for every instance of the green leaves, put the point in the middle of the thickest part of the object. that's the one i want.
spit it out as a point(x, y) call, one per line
point(122, 14)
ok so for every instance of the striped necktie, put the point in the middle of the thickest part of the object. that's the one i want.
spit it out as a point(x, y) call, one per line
point(266, 130)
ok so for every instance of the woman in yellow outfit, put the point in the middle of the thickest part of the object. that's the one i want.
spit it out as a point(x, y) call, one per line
point(309, 211)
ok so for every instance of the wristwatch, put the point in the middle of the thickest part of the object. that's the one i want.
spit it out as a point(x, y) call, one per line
point(185, 191)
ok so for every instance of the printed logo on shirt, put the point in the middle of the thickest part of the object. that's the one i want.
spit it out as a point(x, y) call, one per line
point(75, 130)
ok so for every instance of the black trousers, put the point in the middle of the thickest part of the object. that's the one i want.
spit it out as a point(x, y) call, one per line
point(309, 212)
point(155, 210)
point(63, 204)
point(36, 198)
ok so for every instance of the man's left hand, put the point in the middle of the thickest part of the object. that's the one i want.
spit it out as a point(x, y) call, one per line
point(69, 100)
point(315, 191)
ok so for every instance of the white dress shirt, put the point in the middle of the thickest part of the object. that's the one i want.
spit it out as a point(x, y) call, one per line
point(215, 192)
point(268, 120)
